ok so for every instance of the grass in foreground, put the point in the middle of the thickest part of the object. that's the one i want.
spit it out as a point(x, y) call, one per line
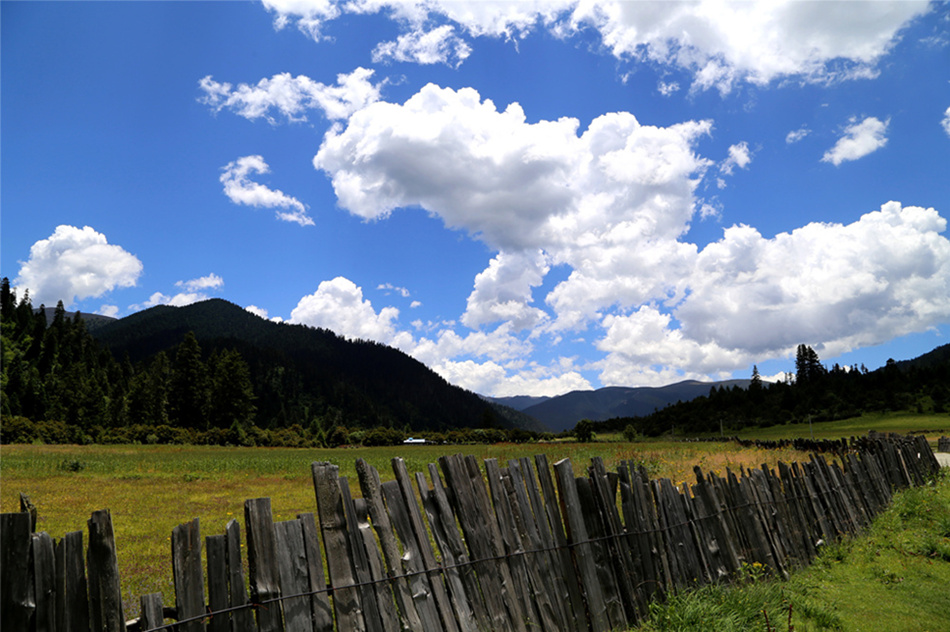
point(895, 577)
point(152, 489)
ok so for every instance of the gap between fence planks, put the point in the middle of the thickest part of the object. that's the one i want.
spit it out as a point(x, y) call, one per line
point(493, 549)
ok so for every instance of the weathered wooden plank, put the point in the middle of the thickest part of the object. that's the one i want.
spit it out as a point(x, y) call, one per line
point(346, 601)
point(493, 534)
point(511, 543)
point(242, 620)
point(680, 572)
point(216, 550)
point(545, 578)
point(688, 510)
point(526, 483)
point(495, 588)
point(152, 611)
point(370, 487)
point(384, 592)
point(44, 582)
point(292, 570)
point(361, 568)
point(188, 575)
point(72, 597)
point(17, 602)
point(772, 525)
point(583, 552)
point(638, 542)
point(262, 563)
point(464, 613)
point(801, 529)
point(616, 545)
point(574, 604)
point(412, 563)
point(320, 609)
point(105, 593)
point(719, 549)
point(596, 532)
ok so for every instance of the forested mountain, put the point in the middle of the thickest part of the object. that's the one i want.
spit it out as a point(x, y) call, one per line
point(213, 367)
point(562, 412)
point(814, 392)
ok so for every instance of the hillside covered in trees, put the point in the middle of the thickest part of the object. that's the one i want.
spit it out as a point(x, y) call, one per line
point(814, 392)
point(213, 372)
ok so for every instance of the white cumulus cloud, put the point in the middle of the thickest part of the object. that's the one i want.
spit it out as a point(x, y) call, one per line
point(292, 96)
point(241, 190)
point(719, 43)
point(76, 263)
point(438, 46)
point(210, 282)
point(860, 138)
point(338, 305)
point(945, 123)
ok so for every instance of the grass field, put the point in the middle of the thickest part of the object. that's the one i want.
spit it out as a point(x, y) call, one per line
point(151, 489)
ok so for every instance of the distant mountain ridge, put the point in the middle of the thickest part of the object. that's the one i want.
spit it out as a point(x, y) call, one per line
point(564, 411)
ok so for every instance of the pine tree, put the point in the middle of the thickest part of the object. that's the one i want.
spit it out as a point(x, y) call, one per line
point(232, 396)
point(189, 389)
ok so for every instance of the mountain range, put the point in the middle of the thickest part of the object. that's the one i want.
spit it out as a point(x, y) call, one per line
point(564, 411)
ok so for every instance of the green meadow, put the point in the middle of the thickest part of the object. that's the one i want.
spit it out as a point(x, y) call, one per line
point(151, 489)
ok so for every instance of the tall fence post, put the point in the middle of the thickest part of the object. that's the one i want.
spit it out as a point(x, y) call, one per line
point(105, 593)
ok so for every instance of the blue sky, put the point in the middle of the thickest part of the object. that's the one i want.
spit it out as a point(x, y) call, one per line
point(529, 197)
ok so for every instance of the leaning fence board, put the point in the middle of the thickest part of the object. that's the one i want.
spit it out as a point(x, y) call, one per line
point(346, 599)
point(511, 542)
point(583, 553)
point(242, 619)
point(493, 586)
point(465, 615)
point(412, 564)
point(575, 602)
point(424, 545)
point(361, 565)
point(616, 546)
point(105, 593)
point(370, 487)
point(262, 563)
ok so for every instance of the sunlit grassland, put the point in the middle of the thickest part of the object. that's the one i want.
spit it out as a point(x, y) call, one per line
point(892, 577)
point(151, 489)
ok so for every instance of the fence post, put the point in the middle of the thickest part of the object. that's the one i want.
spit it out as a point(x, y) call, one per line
point(188, 574)
point(44, 574)
point(105, 593)
point(262, 563)
point(16, 581)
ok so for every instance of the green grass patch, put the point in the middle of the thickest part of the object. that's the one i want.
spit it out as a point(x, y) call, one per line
point(932, 426)
point(893, 577)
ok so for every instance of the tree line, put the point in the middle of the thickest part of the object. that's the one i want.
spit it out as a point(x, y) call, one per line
point(62, 385)
point(813, 393)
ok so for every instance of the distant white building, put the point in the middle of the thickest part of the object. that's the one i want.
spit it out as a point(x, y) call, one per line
point(412, 440)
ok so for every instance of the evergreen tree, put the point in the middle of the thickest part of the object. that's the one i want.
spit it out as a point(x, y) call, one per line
point(189, 388)
point(232, 396)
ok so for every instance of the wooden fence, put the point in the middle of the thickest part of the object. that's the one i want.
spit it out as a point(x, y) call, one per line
point(527, 546)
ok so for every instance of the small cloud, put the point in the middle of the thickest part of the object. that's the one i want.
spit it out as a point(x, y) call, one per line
point(739, 156)
point(389, 287)
point(257, 311)
point(945, 123)
point(415, 304)
point(666, 89)
point(108, 310)
point(859, 140)
point(796, 135)
point(240, 190)
point(210, 282)
point(438, 46)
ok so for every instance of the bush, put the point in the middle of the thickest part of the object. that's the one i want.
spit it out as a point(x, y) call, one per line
point(383, 436)
point(17, 430)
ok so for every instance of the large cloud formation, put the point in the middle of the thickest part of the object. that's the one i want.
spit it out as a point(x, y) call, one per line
point(613, 203)
point(76, 263)
point(719, 43)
